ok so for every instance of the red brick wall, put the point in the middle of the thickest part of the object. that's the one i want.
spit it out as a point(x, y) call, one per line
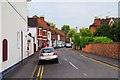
point(87, 48)
point(105, 49)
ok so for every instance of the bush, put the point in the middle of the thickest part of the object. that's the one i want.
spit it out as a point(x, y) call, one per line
point(102, 40)
point(84, 41)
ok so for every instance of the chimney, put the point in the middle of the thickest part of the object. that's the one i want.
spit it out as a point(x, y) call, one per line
point(35, 16)
point(42, 18)
point(107, 17)
point(96, 17)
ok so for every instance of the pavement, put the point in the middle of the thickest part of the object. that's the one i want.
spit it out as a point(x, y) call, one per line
point(73, 65)
point(25, 69)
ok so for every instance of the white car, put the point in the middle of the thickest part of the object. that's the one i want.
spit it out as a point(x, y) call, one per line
point(68, 45)
point(48, 54)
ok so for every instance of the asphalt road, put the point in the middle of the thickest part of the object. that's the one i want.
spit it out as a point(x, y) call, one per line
point(74, 65)
point(71, 65)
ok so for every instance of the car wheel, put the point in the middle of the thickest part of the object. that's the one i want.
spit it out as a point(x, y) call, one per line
point(40, 62)
point(56, 60)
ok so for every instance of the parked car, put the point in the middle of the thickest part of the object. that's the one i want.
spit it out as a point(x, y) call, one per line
point(55, 46)
point(68, 45)
point(60, 45)
point(48, 54)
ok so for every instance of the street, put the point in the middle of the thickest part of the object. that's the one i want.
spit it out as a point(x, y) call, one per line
point(72, 64)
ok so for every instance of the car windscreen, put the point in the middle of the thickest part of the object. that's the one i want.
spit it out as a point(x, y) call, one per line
point(68, 44)
point(49, 50)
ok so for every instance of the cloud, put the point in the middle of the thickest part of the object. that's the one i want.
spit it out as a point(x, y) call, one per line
point(80, 14)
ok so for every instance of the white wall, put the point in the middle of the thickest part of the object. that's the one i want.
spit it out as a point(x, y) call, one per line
point(0, 42)
point(49, 38)
point(30, 45)
point(13, 23)
point(33, 32)
point(58, 37)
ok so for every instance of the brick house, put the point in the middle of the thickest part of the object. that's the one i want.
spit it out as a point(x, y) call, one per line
point(45, 34)
point(97, 22)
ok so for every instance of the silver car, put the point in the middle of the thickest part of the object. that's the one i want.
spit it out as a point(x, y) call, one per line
point(48, 54)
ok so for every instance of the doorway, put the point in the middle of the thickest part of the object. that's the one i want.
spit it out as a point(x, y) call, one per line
point(21, 45)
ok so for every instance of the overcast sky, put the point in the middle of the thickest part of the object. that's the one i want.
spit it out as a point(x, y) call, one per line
point(73, 12)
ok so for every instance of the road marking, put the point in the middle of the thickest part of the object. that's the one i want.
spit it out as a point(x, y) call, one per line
point(65, 59)
point(73, 65)
point(59, 62)
point(42, 72)
point(34, 71)
point(85, 74)
point(100, 62)
point(38, 72)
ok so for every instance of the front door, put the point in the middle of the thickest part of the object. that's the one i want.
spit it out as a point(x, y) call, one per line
point(21, 45)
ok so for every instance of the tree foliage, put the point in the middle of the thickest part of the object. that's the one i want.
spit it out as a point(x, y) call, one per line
point(85, 40)
point(112, 32)
point(52, 24)
point(76, 39)
point(85, 32)
point(103, 30)
point(71, 33)
point(115, 32)
point(65, 28)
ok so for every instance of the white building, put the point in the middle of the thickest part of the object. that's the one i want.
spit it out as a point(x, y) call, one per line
point(30, 45)
point(33, 32)
point(13, 33)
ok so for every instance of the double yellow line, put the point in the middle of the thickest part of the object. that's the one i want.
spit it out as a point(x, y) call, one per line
point(116, 68)
point(40, 72)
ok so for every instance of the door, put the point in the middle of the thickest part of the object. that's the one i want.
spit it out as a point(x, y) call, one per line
point(22, 45)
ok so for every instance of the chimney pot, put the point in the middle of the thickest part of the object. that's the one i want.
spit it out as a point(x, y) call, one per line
point(42, 17)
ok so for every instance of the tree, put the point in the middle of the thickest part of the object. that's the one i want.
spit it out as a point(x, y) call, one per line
point(65, 28)
point(52, 24)
point(85, 32)
point(115, 32)
point(112, 32)
point(76, 39)
point(71, 33)
point(103, 30)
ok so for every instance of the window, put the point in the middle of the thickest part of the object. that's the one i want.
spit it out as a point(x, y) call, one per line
point(38, 31)
point(5, 49)
point(49, 50)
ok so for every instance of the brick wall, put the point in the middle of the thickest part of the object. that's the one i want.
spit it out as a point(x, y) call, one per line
point(105, 49)
point(87, 48)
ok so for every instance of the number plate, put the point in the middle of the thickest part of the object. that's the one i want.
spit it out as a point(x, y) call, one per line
point(48, 59)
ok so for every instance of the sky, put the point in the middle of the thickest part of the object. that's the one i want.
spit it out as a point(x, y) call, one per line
point(76, 13)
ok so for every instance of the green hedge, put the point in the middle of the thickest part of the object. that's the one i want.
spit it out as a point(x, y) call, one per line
point(102, 40)
point(86, 40)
